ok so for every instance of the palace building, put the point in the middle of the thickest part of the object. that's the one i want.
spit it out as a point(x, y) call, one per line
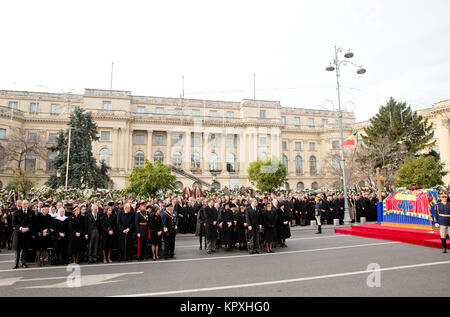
point(205, 142)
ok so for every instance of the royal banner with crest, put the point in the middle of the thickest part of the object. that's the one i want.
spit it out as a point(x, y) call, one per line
point(411, 206)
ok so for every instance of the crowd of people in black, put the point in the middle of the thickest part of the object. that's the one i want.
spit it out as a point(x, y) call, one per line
point(69, 231)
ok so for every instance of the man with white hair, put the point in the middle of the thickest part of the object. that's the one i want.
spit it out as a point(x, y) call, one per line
point(22, 221)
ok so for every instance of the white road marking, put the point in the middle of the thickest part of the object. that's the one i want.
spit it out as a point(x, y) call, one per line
point(218, 288)
point(207, 258)
point(86, 280)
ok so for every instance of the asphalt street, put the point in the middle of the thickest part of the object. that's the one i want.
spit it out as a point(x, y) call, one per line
point(312, 265)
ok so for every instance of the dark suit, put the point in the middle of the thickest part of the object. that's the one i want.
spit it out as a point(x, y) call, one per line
point(21, 240)
point(93, 227)
point(252, 217)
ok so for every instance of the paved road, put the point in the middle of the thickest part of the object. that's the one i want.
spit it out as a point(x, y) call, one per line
point(312, 265)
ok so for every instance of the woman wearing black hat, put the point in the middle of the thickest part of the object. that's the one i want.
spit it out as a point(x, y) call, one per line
point(43, 237)
point(269, 220)
point(283, 230)
point(109, 228)
point(226, 224)
point(156, 229)
point(241, 225)
point(75, 235)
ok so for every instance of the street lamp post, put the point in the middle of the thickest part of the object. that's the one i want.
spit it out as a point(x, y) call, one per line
point(337, 67)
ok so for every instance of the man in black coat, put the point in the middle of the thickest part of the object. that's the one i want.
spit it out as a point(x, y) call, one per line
point(211, 218)
point(93, 228)
point(252, 218)
point(126, 228)
point(340, 206)
point(22, 221)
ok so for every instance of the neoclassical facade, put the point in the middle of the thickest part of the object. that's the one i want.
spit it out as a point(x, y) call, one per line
point(206, 142)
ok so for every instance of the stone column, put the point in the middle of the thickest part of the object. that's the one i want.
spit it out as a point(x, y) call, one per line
point(168, 158)
point(115, 149)
point(149, 145)
point(223, 151)
point(205, 148)
point(130, 154)
point(187, 150)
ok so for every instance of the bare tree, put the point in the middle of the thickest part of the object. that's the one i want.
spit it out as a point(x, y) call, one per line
point(21, 142)
point(332, 167)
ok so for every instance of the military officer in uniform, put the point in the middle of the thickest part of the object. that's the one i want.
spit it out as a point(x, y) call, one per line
point(142, 231)
point(444, 220)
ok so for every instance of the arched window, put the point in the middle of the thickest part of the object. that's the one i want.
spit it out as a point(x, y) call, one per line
point(179, 185)
point(30, 161)
point(196, 184)
point(104, 156)
point(286, 186)
point(177, 159)
point(49, 162)
point(315, 186)
point(285, 162)
point(312, 165)
point(213, 162)
point(195, 160)
point(298, 165)
point(300, 186)
point(336, 164)
point(230, 162)
point(2, 157)
point(139, 158)
point(159, 156)
point(263, 156)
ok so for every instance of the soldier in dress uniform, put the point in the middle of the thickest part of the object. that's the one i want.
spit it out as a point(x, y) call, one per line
point(170, 231)
point(142, 231)
point(444, 220)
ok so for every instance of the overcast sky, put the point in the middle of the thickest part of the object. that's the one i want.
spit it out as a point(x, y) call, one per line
point(219, 45)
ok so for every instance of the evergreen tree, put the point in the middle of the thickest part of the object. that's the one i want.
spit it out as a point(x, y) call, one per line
point(83, 169)
point(394, 133)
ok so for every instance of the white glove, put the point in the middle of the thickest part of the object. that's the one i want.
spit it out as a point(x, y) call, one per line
point(436, 225)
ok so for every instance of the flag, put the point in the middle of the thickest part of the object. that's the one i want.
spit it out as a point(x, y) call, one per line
point(357, 189)
point(350, 140)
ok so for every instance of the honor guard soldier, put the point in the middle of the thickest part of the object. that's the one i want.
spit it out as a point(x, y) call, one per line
point(170, 231)
point(444, 220)
point(142, 231)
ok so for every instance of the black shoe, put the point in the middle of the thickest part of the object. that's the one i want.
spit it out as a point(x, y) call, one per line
point(16, 267)
point(251, 252)
point(256, 251)
point(200, 247)
point(24, 265)
point(208, 252)
point(271, 251)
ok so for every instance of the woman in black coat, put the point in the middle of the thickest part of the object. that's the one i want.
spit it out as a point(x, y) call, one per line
point(240, 228)
point(43, 234)
point(83, 224)
point(76, 235)
point(156, 229)
point(60, 225)
point(226, 224)
point(109, 228)
point(269, 221)
point(284, 231)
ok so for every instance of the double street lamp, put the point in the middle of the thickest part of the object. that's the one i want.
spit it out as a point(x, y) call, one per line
point(335, 65)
